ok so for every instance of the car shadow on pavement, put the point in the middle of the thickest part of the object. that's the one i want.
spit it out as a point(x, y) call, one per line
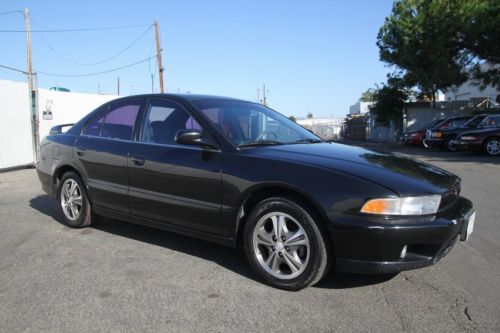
point(341, 280)
point(227, 257)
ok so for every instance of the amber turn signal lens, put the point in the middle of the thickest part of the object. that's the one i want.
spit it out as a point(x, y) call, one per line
point(376, 206)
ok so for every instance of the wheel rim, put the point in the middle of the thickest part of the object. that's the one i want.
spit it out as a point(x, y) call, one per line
point(493, 147)
point(451, 146)
point(281, 245)
point(71, 199)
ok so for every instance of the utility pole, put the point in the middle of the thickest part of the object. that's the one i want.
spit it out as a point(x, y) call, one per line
point(118, 86)
point(264, 95)
point(158, 55)
point(32, 92)
point(152, 84)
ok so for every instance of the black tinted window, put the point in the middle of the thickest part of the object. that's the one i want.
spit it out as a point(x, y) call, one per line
point(117, 123)
point(163, 120)
point(491, 121)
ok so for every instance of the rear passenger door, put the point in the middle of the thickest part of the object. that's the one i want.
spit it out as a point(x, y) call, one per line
point(101, 153)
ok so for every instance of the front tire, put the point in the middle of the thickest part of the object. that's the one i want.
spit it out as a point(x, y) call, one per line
point(73, 202)
point(448, 145)
point(492, 147)
point(284, 244)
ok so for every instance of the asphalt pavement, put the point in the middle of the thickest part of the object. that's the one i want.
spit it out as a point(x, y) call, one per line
point(120, 277)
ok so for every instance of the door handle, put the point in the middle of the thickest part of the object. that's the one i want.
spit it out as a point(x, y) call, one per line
point(80, 151)
point(138, 160)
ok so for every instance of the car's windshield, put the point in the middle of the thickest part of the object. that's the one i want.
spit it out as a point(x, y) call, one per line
point(474, 122)
point(252, 124)
point(434, 123)
point(452, 123)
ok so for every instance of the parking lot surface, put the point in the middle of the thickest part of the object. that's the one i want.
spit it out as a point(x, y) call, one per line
point(116, 276)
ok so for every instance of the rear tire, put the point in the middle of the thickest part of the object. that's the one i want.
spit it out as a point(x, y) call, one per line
point(73, 202)
point(285, 245)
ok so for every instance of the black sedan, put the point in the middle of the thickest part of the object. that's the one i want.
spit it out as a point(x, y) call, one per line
point(241, 174)
point(444, 138)
point(486, 138)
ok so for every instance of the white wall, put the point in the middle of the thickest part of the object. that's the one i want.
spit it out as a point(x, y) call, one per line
point(54, 108)
point(360, 108)
point(16, 143)
point(65, 107)
point(326, 128)
point(470, 89)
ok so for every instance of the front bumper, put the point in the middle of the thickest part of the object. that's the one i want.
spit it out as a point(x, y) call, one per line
point(433, 143)
point(367, 247)
point(412, 140)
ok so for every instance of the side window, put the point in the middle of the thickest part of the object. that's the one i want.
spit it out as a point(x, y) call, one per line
point(227, 124)
point(94, 127)
point(117, 123)
point(163, 120)
point(492, 121)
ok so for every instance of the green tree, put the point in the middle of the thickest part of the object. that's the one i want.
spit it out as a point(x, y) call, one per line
point(310, 115)
point(368, 95)
point(422, 39)
point(389, 102)
point(292, 118)
point(481, 36)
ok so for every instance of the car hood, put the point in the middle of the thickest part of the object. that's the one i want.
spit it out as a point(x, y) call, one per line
point(402, 175)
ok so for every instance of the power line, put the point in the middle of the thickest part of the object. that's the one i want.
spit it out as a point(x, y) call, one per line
point(14, 69)
point(135, 41)
point(98, 73)
point(12, 12)
point(82, 29)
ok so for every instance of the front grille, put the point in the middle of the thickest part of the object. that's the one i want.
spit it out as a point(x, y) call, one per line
point(449, 197)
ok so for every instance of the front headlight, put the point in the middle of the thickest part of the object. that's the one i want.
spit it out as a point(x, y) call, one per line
point(423, 205)
point(468, 138)
point(437, 134)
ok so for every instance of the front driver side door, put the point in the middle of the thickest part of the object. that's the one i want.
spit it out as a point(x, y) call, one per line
point(170, 182)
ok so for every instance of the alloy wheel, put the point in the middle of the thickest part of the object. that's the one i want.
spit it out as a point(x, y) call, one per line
point(71, 199)
point(451, 146)
point(493, 147)
point(281, 245)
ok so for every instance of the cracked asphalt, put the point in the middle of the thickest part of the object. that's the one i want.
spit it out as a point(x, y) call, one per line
point(120, 277)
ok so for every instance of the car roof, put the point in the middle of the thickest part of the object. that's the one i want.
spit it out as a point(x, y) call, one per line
point(187, 97)
point(459, 117)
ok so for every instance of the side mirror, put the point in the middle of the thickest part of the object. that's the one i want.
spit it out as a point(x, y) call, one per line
point(58, 129)
point(193, 137)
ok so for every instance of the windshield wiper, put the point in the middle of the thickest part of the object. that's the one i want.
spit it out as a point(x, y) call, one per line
point(260, 143)
point(308, 141)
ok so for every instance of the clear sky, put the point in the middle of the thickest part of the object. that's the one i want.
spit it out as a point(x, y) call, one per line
point(315, 56)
